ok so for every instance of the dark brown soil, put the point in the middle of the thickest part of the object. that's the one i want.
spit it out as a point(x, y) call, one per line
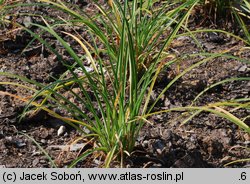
point(205, 141)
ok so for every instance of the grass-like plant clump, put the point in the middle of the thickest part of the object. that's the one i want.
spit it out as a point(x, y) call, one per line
point(127, 48)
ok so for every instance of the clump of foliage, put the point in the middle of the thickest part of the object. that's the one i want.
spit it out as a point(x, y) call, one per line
point(218, 8)
point(134, 37)
point(242, 16)
point(217, 11)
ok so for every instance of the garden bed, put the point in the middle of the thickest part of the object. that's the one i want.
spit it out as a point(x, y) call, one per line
point(205, 141)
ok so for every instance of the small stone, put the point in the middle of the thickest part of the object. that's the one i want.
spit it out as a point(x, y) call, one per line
point(7, 17)
point(42, 161)
point(27, 21)
point(43, 141)
point(159, 151)
point(61, 130)
point(9, 138)
point(97, 162)
point(243, 68)
point(145, 144)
